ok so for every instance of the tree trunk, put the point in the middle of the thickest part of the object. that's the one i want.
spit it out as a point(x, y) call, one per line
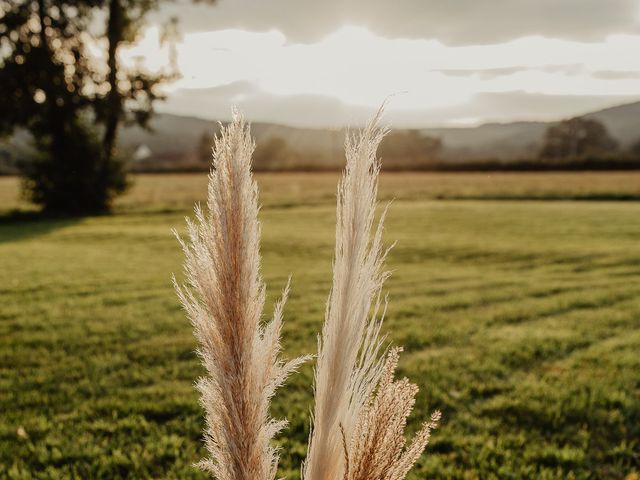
point(54, 117)
point(115, 32)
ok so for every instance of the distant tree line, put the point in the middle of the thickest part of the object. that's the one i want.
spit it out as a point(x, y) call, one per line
point(577, 138)
point(400, 150)
point(573, 144)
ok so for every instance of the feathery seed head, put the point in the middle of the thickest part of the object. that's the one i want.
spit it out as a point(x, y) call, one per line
point(224, 297)
point(360, 411)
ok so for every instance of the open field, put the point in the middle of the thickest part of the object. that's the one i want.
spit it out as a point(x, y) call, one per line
point(520, 321)
point(171, 191)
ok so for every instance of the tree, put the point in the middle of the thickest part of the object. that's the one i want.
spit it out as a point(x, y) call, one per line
point(81, 182)
point(409, 149)
point(576, 138)
point(55, 89)
point(130, 94)
point(46, 77)
point(204, 148)
point(273, 154)
point(635, 149)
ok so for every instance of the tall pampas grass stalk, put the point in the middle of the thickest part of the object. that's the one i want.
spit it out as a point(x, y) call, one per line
point(360, 412)
point(224, 298)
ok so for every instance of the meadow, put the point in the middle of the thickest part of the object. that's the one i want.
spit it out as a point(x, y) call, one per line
point(516, 297)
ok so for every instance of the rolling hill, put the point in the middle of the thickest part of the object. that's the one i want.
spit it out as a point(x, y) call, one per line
point(175, 135)
point(175, 141)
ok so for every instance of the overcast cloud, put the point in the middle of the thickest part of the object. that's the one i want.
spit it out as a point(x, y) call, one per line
point(459, 61)
point(453, 22)
point(317, 110)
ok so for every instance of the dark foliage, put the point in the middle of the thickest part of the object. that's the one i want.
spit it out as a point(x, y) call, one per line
point(70, 103)
point(80, 180)
point(635, 150)
point(577, 138)
point(204, 148)
point(409, 149)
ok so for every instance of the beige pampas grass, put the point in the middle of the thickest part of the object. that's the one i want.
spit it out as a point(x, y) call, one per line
point(360, 412)
point(377, 449)
point(348, 365)
point(224, 298)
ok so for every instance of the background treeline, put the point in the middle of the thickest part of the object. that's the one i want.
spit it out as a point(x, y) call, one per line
point(561, 148)
point(604, 140)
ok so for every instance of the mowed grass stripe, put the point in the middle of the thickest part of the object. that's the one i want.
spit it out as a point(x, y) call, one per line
point(520, 321)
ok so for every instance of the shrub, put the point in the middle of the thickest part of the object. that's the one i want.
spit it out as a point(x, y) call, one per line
point(73, 177)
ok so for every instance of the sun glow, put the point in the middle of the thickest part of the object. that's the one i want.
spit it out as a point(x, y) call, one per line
point(360, 68)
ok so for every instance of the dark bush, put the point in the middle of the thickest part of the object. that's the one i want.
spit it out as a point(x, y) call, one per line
point(73, 176)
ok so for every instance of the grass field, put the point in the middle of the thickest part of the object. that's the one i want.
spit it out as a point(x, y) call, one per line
point(520, 321)
point(179, 191)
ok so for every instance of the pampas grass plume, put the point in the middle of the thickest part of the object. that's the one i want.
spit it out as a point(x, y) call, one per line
point(360, 411)
point(224, 298)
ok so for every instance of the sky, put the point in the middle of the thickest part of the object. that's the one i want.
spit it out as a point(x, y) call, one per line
point(440, 62)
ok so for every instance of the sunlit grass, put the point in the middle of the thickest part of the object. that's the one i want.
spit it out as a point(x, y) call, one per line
point(520, 321)
point(180, 191)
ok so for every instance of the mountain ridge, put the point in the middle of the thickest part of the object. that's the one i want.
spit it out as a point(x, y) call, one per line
point(500, 141)
point(176, 141)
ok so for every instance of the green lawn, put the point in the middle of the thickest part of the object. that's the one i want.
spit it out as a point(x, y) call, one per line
point(520, 321)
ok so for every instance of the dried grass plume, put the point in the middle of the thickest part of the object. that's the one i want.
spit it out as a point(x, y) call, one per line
point(377, 450)
point(360, 412)
point(224, 298)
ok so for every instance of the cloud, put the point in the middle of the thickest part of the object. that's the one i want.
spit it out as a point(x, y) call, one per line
point(482, 73)
point(322, 111)
point(617, 75)
point(490, 73)
point(522, 106)
point(215, 103)
point(357, 67)
point(348, 72)
point(453, 22)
